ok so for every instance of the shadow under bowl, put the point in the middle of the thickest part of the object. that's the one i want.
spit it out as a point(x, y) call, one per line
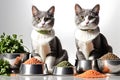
point(31, 69)
point(109, 66)
point(63, 70)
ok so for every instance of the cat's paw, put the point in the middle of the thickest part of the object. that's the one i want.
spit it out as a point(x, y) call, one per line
point(50, 70)
point(37, 57)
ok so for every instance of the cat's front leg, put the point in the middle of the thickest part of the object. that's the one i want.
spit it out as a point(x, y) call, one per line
point(95, 54)
point(79, 55)
point(36, 55)
point(39, 58)
point(50, 61)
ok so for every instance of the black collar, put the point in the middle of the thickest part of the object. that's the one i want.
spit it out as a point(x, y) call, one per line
point(89, 30)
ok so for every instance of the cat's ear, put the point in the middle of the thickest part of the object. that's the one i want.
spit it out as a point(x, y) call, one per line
point(78, 9)
point(51, 10)
point(34, 10)
point(96, 8)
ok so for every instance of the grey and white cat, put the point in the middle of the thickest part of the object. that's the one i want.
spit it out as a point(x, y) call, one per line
point(90, 43)
point(46, 45)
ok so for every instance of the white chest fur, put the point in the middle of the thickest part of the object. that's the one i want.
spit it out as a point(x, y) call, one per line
point(40, 43)
point(85, 41)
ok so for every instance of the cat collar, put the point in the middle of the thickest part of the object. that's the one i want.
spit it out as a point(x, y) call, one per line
point(44, 31)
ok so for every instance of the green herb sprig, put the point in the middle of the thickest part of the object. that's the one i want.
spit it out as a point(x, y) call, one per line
point(4, 67)
point(11, 44)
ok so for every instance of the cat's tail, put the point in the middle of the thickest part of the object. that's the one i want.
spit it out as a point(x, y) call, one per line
point(63, 57)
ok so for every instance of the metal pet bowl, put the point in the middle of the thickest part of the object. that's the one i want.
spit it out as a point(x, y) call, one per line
point(84, 65)
point(32, 69)
point(109, 66)
point(63, 70)
point(11, 58)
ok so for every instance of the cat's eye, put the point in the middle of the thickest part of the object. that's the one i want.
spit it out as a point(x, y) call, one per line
point(38, 19)
point(82, 17)
point(91, 17)
point(46, 19)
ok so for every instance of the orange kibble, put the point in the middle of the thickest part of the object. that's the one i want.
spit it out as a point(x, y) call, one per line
point(33, 61)
point(91, 74)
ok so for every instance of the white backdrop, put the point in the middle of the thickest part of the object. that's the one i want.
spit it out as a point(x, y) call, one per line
point(16, 17)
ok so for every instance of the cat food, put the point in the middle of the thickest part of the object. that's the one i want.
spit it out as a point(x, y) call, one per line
point(91, 74)
point(64, 64)
point(110, 56)
point(17, 60)
point(33, 61)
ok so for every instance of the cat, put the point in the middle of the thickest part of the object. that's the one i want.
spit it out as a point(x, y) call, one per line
point(90, 43)
point(46, 46)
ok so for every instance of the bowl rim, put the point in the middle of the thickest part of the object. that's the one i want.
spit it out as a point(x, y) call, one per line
point(86, 60)
point(33, 64)
point(108, 59)
point(64, 67)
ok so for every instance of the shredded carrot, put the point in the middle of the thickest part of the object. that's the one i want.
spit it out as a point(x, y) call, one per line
point(91, 74)
point(33, 61)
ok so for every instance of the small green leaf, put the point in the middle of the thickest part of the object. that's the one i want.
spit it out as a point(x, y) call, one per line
point(21, 41)
point(11, 44)
point(14, 36)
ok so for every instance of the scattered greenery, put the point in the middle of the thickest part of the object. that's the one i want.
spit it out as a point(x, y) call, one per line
point(64, 64)
point(4, 67)
point(11, 44)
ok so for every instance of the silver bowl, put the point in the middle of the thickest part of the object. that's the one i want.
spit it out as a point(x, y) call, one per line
point(63, 70)
point(109, 66)
point(84, 65)
point(11, 58)
point(32, 69)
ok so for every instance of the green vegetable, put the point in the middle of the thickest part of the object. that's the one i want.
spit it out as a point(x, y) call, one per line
point(4, 67)
point(11, 44)
point(64, 64)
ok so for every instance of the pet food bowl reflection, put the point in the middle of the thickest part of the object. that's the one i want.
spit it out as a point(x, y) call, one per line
point(84, 65)
point(109, 66)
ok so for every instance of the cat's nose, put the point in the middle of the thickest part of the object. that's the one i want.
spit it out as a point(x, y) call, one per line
point(43, 23)
point(87, 22)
